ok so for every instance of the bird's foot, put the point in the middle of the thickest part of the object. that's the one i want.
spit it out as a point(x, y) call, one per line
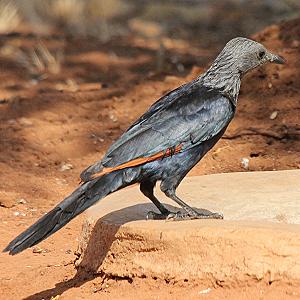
point(151, 215)
point(182, 216)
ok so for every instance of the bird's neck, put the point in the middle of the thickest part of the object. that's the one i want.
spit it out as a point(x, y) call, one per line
point(224, 79)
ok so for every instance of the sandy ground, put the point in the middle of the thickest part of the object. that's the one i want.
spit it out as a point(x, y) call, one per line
point(53, 128)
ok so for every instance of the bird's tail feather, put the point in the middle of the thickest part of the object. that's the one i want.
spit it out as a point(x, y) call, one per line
point(82, 198)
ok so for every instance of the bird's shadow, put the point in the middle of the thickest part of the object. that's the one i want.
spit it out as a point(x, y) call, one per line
point(94, 256)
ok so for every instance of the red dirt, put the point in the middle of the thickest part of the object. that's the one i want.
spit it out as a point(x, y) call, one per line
point(43, 128)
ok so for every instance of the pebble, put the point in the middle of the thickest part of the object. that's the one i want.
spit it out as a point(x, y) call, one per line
point(206, 291)
point(245, 163)
point(21, 201)
point(61, 181)
point(273, 115)
point(37, 250)
point(17, 213)
point(113, 117)
point(25, 122)
point(171, 79)
point(65, 167)
point(11, 122)
point(295, 43)
point(90, 86)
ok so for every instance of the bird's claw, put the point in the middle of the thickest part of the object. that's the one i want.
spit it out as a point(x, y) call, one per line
point(181, 216)
point(178, 216)
point(215, 216)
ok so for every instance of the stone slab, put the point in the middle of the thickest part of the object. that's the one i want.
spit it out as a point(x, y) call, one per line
point(258, 239)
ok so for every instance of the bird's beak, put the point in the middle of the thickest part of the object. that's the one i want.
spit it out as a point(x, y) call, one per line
point(276, 59)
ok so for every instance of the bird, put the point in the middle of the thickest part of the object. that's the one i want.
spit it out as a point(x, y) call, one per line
point(163, 145)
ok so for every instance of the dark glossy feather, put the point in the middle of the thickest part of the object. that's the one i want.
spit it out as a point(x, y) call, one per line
point(188, 115)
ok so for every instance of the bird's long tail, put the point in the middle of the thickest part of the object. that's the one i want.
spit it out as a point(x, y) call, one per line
point(81, 199)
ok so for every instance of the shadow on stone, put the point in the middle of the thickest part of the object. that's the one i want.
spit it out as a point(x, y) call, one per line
point(98, 235)
point(102, 234)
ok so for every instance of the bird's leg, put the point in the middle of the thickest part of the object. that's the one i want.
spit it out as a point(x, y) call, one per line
point(146, 188)
point(190, 213)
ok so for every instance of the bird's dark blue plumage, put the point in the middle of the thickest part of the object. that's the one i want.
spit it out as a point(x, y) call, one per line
point(163, 144)
point(188, 116)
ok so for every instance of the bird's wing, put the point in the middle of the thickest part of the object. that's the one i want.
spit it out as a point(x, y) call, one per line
point(180, 120)
point(166, 100)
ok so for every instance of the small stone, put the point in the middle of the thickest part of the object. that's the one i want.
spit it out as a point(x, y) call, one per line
point(206, 291)
point(11, 122)
point(273, 115)
point(145, 28)
point(171, 79)
point(245, 163)
point(270, 85)
point(16, 213)
point(295, 43)
point(25, 122)
point(90, 86)
point(37, 249)
point(69, 86)
point(65, 167)
point(60, 87)
point(21, 201)
point(180, 67)
point(61, 181)
point(113, 117)
point(33, 82)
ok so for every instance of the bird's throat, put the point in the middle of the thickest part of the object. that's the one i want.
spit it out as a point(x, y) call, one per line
point(226, 82)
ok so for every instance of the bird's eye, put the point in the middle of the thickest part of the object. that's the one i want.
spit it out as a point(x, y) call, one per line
point(261, 54)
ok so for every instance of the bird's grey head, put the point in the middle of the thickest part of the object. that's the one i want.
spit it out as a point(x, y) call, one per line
point(243, 55)
point(239, 56)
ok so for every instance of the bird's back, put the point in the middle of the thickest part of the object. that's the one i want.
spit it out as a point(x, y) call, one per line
point(187, 115)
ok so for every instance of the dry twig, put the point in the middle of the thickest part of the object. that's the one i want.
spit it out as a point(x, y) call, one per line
point(280, 134)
